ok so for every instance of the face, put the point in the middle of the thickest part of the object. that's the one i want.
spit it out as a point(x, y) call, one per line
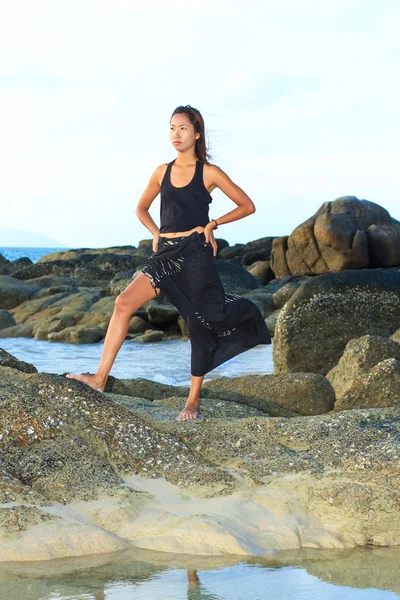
point(182, 133)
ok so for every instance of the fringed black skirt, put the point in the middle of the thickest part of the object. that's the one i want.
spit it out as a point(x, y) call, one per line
point(220, 324)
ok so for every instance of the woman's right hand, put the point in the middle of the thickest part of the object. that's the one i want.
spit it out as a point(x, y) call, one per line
point(155, 242)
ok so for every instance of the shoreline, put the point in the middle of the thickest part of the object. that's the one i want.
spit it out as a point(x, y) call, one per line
point(253, 521)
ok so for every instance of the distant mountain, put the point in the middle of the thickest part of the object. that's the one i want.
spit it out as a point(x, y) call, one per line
point(26, 239)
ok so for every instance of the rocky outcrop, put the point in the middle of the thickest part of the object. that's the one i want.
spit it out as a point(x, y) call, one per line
point(6, 319)
point(69, 296)
point(8, 360)
point(315, 325)
point(357, 360)
point(13, 291)
point(302, 393)
point(380, 387)
point(130, 474)
point(347, 233)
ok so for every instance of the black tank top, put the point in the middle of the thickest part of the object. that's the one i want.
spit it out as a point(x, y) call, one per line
point(186, 207)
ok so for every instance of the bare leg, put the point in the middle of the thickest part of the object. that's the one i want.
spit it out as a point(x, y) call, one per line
point(138, 292)
point(192, 403)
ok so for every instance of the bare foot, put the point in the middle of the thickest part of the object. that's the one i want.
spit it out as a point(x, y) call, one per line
point(91, 380)
point(189, 412)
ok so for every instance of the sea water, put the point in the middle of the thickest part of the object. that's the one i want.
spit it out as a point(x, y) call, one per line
point(136, 574)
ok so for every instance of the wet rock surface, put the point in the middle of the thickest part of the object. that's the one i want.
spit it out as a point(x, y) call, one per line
point(330, 480)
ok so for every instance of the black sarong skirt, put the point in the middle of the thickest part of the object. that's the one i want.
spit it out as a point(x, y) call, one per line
point(220, 324)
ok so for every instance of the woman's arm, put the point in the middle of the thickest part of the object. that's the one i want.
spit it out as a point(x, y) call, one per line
point(142, 209)
point(245, 206)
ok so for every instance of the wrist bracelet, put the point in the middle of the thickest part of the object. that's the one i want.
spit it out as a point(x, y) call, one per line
point(216, 224)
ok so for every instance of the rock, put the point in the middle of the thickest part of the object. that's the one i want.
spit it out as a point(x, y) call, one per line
point(278, 257)
point(150, 336)
point(13, 291)
point(262, 270)
point(234, 277)
point(246, 254)
point(68, 441)
point(161, 314)
point(327, 311)
point(302, 393)
point(120, 471)
point(360, 355)
point(8, 360)
point(6, 319)
point(23, 330)
point(379, 388)
point(285, 293)
point(229, 252)
point(42, 329)
point(57, 289)
point(347, 233)
point(137, 325)
point(396, 336)
point(42, 307)
point(24, 261)
point(4, 260)
point(155, 391)
point(78, 334)
point(183, 328)
point(264, 300)
point(272, 320)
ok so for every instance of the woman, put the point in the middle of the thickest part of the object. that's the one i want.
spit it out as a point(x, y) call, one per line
point(183, 266)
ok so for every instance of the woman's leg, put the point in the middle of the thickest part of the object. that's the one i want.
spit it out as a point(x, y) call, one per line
point(192, 403)
point(138, 292)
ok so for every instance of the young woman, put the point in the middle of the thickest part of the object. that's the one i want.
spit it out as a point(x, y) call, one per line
point(183, 267)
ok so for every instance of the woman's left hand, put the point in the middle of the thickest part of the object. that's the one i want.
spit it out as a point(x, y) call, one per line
point(209, 236)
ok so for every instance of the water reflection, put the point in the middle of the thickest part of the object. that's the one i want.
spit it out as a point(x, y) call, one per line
point(196, 590)
point(362, 574)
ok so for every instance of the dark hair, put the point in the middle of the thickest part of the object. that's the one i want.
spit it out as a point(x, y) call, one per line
point(198, 123)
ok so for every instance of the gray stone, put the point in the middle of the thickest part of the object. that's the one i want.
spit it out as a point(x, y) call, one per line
point(150, 336)
point(302, 393)
point(78, 334)
point(328, 311)
point(272, 320)
point(6, 319)
point(13, 291)
point(285, 293)
point(8, 360)
point(360, 355)
point(379, 388)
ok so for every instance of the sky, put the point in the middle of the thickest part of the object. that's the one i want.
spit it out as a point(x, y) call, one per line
point(300, 101)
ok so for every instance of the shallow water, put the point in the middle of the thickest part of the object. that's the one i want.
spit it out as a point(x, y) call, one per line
point(166, 362)
point(363, 574)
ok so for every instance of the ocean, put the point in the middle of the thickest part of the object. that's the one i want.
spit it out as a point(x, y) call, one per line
point(34, 254)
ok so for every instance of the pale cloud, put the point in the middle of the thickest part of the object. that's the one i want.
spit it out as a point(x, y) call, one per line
point(300, 101)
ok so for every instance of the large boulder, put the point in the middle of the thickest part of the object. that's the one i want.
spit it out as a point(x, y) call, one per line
point(360, 355)
point(347, 233)
point(315, 325)
point(302, 393)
